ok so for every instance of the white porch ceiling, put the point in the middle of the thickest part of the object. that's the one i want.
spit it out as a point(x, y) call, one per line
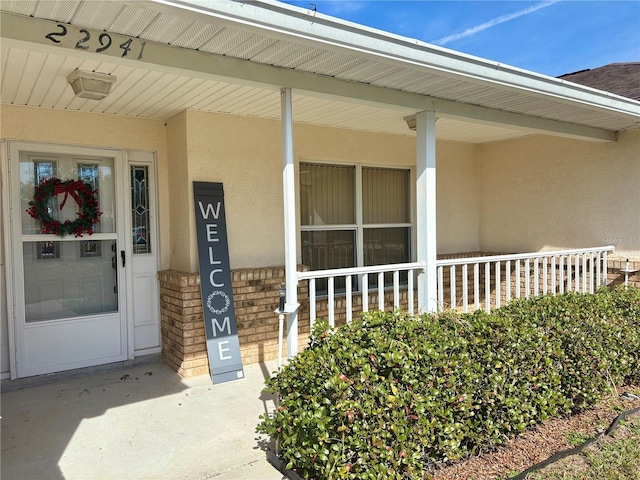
point(34, 74)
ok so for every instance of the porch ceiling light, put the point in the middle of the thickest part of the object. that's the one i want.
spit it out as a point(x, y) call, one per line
point(91, 85)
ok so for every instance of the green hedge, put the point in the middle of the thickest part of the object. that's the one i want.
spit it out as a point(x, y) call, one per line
point(391, 396)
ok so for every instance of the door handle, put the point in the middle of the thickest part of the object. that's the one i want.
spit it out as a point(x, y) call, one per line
point(122, 256)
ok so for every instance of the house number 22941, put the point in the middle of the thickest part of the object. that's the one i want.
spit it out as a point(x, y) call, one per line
point(104, 42)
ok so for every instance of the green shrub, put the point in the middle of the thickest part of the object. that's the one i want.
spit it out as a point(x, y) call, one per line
point(391, 396)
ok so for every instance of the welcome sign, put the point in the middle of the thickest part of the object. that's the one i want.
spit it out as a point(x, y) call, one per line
point(223, 346)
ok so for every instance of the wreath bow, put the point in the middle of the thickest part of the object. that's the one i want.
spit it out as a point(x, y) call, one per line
point(69, 189)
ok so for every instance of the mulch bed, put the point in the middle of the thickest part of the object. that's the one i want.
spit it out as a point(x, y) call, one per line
point(540, 443)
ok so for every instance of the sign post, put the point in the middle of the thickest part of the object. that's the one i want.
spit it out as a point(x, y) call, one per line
point(223, 346)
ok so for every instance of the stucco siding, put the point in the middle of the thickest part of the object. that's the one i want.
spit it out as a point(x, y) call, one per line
point(246, 155)
point(544, 192)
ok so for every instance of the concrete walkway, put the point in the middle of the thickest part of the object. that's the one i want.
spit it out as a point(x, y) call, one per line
point(141, 422)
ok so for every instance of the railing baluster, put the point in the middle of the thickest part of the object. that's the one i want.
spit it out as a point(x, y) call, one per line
point(592, 273)
point(476, 285)
point(487, 286)
point(365, 292)
point(498, 285)
point(452, 286)
point(312, 301)
point(349, 298)
point(545, 274)
point(598, 269)
point(517, 278)
point(507, 280)
point(330, 305)
point(396, 289)
point(465, 289)
point(536, 276)
point(569, 272)
point(561, 273)
point(381, 291)
point(410, 289)
point(527, 279)
point(584, 273)
point(440, 288)
point(605, 266)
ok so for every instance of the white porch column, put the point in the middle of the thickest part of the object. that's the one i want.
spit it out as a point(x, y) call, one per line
point(426, 209)
point(290, 234)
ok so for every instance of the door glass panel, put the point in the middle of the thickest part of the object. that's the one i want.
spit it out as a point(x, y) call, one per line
point(82, 280)
point(67, 277)
point(90, 173)
point(140, 210)
point(97, 171)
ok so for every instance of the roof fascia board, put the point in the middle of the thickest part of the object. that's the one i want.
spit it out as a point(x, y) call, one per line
point(30, 33)
point(331, 32)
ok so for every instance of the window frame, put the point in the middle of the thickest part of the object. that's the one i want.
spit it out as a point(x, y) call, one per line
point(359, 226)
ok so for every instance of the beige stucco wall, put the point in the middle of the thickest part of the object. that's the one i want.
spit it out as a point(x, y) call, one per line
point(245, 154)
point(180, 194)
point(544, 192)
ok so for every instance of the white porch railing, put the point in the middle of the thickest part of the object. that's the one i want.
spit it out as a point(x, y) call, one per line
point(467, 283)
point(361, 294)
point(489, 281)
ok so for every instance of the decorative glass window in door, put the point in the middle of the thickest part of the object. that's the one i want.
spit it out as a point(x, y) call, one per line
point(89, 173)
point(140, 209)
point(44, 169)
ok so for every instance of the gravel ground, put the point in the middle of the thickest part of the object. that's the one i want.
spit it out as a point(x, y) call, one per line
point(538, 444)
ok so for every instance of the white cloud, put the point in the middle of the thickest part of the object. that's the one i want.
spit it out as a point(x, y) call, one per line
point(493, 22)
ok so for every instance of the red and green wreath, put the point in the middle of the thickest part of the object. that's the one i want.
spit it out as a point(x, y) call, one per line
point(88, 213)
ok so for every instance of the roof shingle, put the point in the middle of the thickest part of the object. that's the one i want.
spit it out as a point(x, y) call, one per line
point(620, 78)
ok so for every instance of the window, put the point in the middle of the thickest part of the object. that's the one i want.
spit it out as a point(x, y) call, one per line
point(140, 209)
point(354, 216)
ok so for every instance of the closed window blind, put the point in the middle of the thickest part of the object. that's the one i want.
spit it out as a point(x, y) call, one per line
point(385, 196)
point(327, 194)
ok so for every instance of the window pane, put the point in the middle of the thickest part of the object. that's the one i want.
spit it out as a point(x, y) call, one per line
point(383, 246)
point(140, 210)
point(81, 280)
point(385, 195)
point(328, 249)
point(90, 173)
point(98, 171)
point(327, 194)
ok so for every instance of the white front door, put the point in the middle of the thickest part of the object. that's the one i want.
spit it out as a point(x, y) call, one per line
point(69, 292)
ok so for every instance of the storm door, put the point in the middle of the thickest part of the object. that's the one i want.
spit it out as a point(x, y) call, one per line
point(69, 289)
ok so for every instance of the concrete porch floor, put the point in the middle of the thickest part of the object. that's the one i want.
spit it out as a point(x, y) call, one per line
point(135, 422)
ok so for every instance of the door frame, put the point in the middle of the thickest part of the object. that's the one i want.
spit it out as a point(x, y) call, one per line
point(149, 159)
point(13, 235)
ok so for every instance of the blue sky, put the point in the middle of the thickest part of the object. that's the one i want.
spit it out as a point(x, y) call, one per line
point(546, 36)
